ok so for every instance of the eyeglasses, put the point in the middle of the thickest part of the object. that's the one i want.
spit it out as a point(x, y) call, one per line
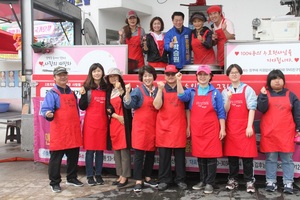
point(170, 74)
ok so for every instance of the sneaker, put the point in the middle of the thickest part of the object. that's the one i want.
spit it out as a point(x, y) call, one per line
point(288, 188)
point(162, 186)
point(99, 180)
point(271, 187)
point(250, 187)
point(182, 185)
point(232, 184)
point(74, 182)
point(208, 189)
point(55, 188)
point(90, 181)
point(199, 186)
point(137, 188)
point(151, 183)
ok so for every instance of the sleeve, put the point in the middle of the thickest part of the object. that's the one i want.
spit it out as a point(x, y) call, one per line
point(167, 40)
point(262, 103)
point(219, 106)
point(224, 96)
point(230, 27)
point(50, 103)
point(109, 108)
point(251, 98)
point(186, 96)
point(83, 101)
point(136, 99)
point(296, 109)
point(208, 40)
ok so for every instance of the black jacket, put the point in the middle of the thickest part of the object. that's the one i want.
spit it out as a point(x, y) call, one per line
point(153, 53)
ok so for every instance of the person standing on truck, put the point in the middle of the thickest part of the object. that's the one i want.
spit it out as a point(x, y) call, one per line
point(132, 34)
point(178, 42)
point(280, 124)
point(207, 121)
point(95, 125)
point(143, 126)
point(153, 44)
point(170, 135)
point(223, 30)
point(240, 103)
point(120, 125)
point(61, 110)
point(202, 43)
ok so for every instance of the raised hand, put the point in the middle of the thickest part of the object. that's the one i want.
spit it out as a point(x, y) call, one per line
point(263, 90)
point(160, 85)
point(128, 88)
point(178, 76)
point(82, 90)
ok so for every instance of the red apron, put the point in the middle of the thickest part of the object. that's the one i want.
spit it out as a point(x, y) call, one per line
point(277, 126)
point(205, 128)
point(135, 50)
point(95, 122)
point(65, 132)
point(236, 142)
point(221, 45)
point(117, 130)
point(171, 123)
point(143, 125)
point(202, 55)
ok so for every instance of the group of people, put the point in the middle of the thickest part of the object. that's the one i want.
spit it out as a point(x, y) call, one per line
point(177, 44)
point(219, 124)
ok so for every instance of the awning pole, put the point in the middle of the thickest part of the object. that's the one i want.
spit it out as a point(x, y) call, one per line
point(13, 10)
point(64, 32)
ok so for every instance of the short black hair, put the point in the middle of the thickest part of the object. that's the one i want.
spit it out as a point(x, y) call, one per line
point(161, 22)
point(177, 13)
point(274, 74)
point(149, 69)
point(234, 66)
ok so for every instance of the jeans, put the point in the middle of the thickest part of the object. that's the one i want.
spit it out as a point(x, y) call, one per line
point(89, 162)
point(208, 170)
point(234, 168)
point(138, 172)
point(287, 167)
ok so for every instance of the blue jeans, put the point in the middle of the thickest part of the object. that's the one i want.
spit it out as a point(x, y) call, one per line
point(89, 162)
point(287, 167)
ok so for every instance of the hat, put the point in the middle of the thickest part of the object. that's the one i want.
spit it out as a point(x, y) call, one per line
point(113, 71)
point(214, 9)
point(131, 13)
point(198, 15)
point(59, 70)
point(171, 68)
point(204, 68)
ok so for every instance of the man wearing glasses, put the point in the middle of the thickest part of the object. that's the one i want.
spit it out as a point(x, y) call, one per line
point(171, 131)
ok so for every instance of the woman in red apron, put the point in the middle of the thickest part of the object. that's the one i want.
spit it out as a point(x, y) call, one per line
point(207, 121)
point(202, 44)
point(240, 142)
point(95, 122)
point(132, 35)
point(280, 124)
point(223, 31)
point(153, 44)
point(119, 126)
point(143, 126)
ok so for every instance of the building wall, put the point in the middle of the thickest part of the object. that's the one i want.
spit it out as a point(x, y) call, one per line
point(240, 12)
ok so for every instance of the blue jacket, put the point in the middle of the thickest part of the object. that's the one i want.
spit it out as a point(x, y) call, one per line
point(52, 101)
point(217, 100)
point(180, 55)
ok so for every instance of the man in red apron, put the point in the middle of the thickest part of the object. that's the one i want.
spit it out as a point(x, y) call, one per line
point(223, 31)
point(171, 131)
point(60, 108)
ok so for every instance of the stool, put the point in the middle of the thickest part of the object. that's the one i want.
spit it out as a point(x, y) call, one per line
point(10, 133)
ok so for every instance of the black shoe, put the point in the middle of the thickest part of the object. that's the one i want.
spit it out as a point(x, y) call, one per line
point(90, 181)
point(151, 183)
point(122, 184)
point(137, 188)
point(55, 188)
point(162, 186)
point(74, 182)
point(99, 180)
point(115, 182)
point(182, 185)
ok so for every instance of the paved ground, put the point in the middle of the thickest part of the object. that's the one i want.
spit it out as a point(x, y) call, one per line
point(21, 178)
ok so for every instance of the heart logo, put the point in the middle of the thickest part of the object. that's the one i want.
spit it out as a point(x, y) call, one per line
point(41, 63)
point(296, 59)
point(236, 53)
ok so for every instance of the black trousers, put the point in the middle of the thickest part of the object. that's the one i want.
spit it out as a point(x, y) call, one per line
point(208, 170)
point(55, 164)
point(139, 162)
point(234, 168)
point(165, 170)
